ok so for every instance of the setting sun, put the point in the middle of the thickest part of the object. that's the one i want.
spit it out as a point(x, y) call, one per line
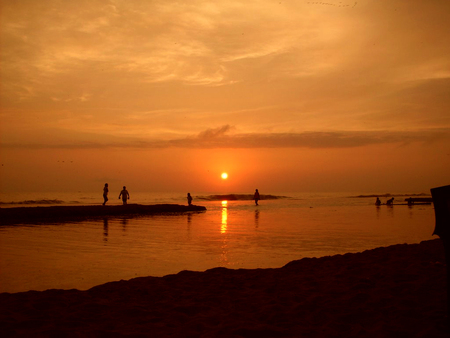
point(224, 176)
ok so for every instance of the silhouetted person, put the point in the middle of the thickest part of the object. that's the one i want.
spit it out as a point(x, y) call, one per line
point(189, 198)
point(256, 197)
point(125, 195)
point(378, 202)
point(410, 201)
point(105, 194)
point(390, 201)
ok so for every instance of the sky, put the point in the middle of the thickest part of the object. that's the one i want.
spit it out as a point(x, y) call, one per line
point(284, 96)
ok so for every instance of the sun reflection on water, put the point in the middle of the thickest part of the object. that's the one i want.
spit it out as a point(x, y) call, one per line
point(223, 227)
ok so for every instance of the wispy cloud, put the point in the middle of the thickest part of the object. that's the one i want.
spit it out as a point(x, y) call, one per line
point(320, 66)
point(205, 43)
point(342, 139)
point(224, 137)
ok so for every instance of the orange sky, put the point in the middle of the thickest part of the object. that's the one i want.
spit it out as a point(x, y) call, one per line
point(283, 95)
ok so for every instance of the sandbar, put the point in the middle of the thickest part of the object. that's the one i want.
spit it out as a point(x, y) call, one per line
point(395, 291)
point(18, 215)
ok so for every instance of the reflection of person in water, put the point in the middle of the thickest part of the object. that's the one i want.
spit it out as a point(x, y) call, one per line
point(125, 195)
point(378, 202)
point(256, 197)
point(189, 198)
point(105, 229)
point(105, 194)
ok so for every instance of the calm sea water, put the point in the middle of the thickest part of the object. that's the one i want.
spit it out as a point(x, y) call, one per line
point(233, 234)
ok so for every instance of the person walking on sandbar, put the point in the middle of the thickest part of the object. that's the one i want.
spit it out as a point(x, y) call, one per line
point(256, 197)
point(105, 194)
point(125, 195)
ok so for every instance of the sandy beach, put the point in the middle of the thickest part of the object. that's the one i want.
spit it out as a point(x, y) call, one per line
point(395, 291)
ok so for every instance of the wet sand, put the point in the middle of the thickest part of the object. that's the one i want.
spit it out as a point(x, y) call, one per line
point(18, 215)
point(396, 291)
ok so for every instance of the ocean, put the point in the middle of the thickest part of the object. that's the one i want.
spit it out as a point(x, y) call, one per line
point(233, 232)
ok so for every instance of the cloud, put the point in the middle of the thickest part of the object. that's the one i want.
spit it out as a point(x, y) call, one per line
point(338, 139)
point(215, 43)
point(216, 133)
point(223, 138)
point(320, 67)
point(198, 43)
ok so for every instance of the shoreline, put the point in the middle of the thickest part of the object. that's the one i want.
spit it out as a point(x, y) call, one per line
point(399, 290)
point(17, 215)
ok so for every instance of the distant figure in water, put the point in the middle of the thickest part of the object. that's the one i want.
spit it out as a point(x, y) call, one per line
point(189, 198)
point(410, 201)
point(125, 195)
point(378, 202)
point(390, 201)
point(105, 194)
point(256, 197)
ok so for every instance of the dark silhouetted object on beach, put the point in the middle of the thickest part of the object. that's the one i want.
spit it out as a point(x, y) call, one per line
point(256, 197)
point(189, 198)
point(390, 201)
point(125, 195)
point(441, 201)
point(378, 202)
point(410, 201)
point(105, 194)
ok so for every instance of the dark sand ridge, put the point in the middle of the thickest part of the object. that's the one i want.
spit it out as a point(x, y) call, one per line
point(74, 213)
point(396, 291)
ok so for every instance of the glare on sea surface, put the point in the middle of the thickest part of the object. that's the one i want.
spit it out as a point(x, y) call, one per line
point(223, 227)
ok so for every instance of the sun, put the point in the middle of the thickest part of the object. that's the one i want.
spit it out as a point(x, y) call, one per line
point(224, 176)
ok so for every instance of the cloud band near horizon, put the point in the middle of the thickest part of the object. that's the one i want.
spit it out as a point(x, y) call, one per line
point(222, 138)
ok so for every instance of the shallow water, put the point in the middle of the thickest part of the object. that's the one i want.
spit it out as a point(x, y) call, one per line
point(233, 234)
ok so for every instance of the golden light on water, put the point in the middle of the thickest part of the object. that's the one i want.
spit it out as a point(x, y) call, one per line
point(223, 226)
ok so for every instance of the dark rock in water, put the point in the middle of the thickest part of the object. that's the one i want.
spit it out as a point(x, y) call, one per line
point(238, 197)
point(79, 213)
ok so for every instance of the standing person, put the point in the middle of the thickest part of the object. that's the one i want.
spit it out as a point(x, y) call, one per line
point(125, 195)
point(105, 194)
point(378, 202)
point(256, 197)
point(189, 198)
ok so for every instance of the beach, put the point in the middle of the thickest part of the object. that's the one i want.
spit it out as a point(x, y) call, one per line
point(394, 291)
